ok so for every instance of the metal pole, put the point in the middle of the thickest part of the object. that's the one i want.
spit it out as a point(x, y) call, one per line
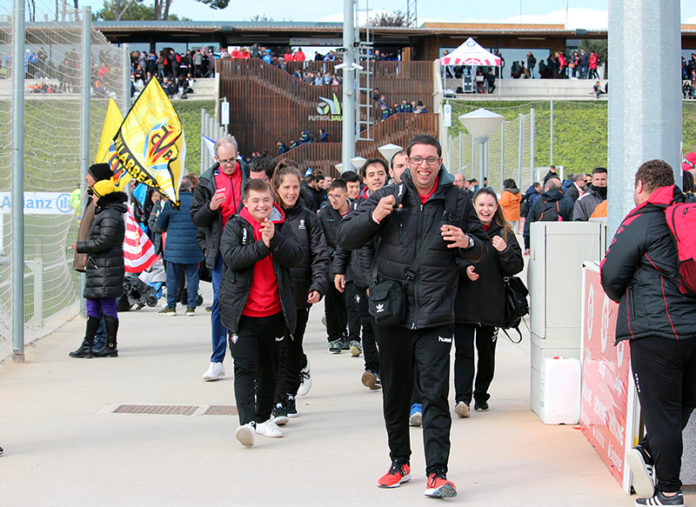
point(18, 182)
point(502, 153)
point(519, 154)
point(449, 152)
point(473, 157)
point(482, 161)
point(461, 152)
point(532, 140)
point(645, 107)
point(485, 161)
point(551, 134)
point(204, 149)
point(126, 79)
point(348, 141)
point(86, 43)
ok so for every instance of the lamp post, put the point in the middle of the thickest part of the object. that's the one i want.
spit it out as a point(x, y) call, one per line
point(389, 150)
point(481, 124)
point(357, 162)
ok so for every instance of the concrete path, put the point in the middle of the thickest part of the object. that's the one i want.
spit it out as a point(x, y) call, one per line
point(64, 445)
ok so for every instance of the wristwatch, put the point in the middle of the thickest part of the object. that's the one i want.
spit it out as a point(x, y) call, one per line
point(471, 241)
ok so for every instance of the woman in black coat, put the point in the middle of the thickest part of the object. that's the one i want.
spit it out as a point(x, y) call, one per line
point(104, 269)
point(310, 281)
point(480, 305)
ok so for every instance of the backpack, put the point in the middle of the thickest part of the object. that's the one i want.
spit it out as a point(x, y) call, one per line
point(516, 305)
point(550, 213)
point(524, 206)
point(681, 220)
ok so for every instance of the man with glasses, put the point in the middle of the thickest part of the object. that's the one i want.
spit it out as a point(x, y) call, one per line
point(218, 197)
point(424, 337)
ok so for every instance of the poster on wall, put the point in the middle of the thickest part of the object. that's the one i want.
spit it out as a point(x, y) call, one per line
point(606, 416)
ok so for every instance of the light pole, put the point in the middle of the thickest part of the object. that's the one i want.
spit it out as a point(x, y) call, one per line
point(481, 124)
point(389, 150)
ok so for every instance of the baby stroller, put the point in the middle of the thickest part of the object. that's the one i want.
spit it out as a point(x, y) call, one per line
point(135, 292)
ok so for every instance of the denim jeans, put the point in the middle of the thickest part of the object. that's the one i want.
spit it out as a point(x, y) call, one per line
point(174, 270)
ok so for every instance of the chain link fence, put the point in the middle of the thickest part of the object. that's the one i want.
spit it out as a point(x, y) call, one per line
point(52, 139)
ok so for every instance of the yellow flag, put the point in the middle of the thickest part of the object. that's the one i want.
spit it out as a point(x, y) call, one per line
point(150, 143)
point(106, 152)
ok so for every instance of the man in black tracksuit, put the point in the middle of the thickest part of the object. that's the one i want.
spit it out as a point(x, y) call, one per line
point(640, 271)
point(425, 336)
point(257, 304)
point(334, 302)
point(353, 272)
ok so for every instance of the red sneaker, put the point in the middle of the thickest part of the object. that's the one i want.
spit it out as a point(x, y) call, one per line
point(397, 474)
point(439, 487)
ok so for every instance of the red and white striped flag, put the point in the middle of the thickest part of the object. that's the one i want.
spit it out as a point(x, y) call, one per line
point(138, 250)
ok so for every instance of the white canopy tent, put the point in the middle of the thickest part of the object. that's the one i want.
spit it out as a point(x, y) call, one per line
point(469, 54)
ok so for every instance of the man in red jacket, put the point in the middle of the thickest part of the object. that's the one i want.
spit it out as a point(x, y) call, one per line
point(640, 271)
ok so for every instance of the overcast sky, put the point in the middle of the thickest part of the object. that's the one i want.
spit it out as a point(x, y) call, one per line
point(582, 13)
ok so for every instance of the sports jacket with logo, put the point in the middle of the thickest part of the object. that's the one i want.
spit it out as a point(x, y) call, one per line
point(639, 272)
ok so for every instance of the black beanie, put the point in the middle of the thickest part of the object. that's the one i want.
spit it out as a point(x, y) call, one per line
point(101, 171)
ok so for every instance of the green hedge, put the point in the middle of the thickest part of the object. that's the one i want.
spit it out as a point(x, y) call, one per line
point(580, 128)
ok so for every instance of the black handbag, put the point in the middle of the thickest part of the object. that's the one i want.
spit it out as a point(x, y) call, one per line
point(387, 301)
point(516, 305)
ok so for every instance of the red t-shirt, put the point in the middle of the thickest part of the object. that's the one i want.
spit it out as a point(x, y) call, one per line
point(424, 198)
point(231, 185)
point(264, 297)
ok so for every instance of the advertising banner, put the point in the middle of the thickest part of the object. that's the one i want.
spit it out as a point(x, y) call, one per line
point(605, 419)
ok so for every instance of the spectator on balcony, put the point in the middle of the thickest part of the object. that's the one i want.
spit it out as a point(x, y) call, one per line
point(267, 57)
point(384, 110)
point(282, 148)
point(376, 94)
point(531, 63)
point(299, 55)
point(307, 137)
point(318, 79)
point(323, 136)
point(288, 56)
point(593, 62)
point(330, 57)
point(406, 107)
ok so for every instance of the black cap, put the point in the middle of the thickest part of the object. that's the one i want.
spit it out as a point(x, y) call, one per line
point(100, 171)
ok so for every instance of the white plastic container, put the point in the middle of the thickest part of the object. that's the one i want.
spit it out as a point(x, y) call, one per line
point(560, 387)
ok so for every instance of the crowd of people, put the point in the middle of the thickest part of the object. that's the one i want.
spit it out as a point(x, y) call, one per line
point(578, 65)
point(409, 260)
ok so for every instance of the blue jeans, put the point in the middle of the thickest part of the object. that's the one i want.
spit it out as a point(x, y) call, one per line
point(219, 331)
point(174, 270)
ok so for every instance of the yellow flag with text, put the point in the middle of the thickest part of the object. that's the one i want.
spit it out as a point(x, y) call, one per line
point(106, 152)
point(150, 143)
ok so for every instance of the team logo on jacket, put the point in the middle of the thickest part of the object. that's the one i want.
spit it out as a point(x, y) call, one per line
point(443, 339)
point(280, 338)
point(302, 225)
point(234, 338)
point(244, 236)
point(379, 308)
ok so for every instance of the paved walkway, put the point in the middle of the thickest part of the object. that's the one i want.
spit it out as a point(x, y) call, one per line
point(66, 447)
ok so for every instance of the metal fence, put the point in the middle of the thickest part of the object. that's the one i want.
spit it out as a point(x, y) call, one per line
point(60, 136)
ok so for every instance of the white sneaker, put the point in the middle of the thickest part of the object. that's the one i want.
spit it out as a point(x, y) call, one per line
point(245, 434)
point(306, 384)
point(215, 371)
point(269, 429)
point(462, 410)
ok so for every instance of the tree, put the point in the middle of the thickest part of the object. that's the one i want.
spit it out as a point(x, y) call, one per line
point(134, 10)
point(396, 18)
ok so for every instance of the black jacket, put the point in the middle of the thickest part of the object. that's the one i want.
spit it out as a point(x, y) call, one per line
point(549, 207)
point(104, 248)
point(482, 302)
point(431, 293)
point(356, 264)
point(330, 218)
point(240, 253)
point(639, 272)
point(585, 205)
point(312, 271)
point(206, 219)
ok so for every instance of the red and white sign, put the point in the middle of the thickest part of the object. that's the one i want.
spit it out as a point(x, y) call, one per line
point(605, 378)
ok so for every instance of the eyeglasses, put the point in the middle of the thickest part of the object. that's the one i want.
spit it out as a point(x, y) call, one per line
point(431, 161)
point(227, 160)
point(336, 197)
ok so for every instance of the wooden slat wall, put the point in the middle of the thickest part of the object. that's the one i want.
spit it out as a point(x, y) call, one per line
point(398, 129)
point(268, 104)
